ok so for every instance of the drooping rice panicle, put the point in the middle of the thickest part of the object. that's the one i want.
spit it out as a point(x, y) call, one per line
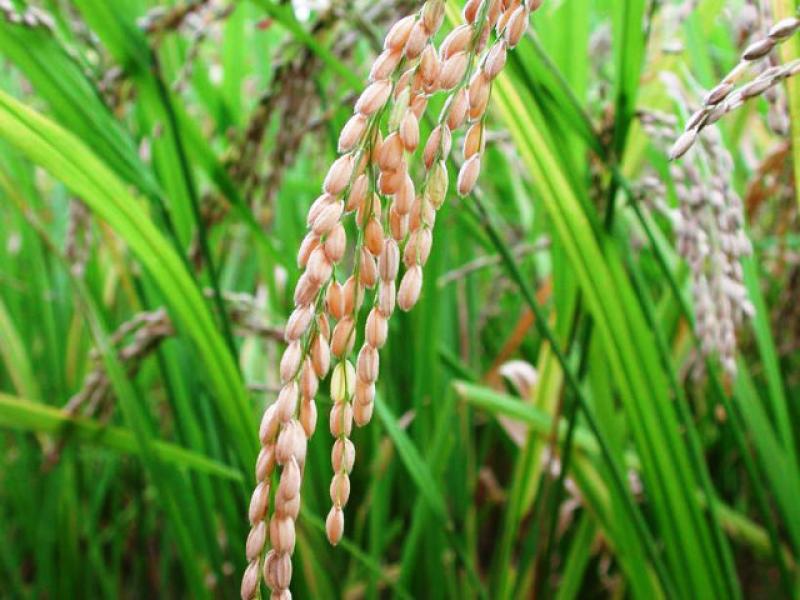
point(726, 97)
point(374, 170)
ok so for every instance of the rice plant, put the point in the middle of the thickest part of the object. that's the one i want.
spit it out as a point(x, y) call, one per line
point(585, 213)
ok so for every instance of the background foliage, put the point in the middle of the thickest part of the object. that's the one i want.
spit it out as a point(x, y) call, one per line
point(157, 174)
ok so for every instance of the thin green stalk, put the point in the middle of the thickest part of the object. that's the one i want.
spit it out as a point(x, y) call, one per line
point(735, 425)
point(147, 446)
point(202, 239)
point(695, 449)
point(737, 428)
point(543, 579)
point(573, 383)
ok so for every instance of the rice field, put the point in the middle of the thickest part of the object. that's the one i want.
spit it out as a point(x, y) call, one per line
point(399, 299)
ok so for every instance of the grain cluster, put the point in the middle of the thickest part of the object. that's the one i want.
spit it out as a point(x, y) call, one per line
point(726, 96)
point(372, 181)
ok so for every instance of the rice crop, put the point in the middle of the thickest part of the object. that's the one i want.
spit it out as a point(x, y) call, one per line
point(532, 264)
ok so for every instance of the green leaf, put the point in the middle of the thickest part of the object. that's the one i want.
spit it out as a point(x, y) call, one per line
point(629, 350)
point(417, 468)
point(70, 161)
point(59, 80)
point(26, 415)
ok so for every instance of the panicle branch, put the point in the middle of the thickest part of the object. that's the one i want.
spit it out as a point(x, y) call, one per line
point(726, 97)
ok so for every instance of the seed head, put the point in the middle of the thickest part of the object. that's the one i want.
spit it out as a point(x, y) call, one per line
point(468, 175)
point(391, 153)
point(429, 66)
point(758, 49)
point(719, 93)
point(517, 25)
point(287, 401)
point(423, 214)
point(473, 141)
point(455, 42)
point(255, 541)
point(269, 425)
point(341, 420)
point(368, 364)
point(410, 288)
point(682, 144)
point(377, 329)
point(308, 417)
point(353, 296)
point(298, 323)
point(335, 243)
point(418, 105)
point(784, 28)
point(437, 184)
point(404, 198)
point(365, 392)
point(343, 382)
point(339, 176)
point(387, 294)
point(432, 16)
point(307, 246)
point(479, 88)
point(418, 248)
point(438, 145)
point(385, 65)
point(373, 236)
point(309, 383)
point(343, 455)
point(320, 356)
point(368, 269)
point(352, 132)
point(290, 361)
point(282, 534)
point(306, 289)
point(265, 463)
point(328, 217)
point(250, 581)
point(370, 207)
point(343, 337)
point(334, 525)
point(398, 224)
point(259, 502)
point(375, 96)
point(495, 60)
point(358, 192)
point(470, 11)
point(417, 40)
point(409, 131)
point(453, 70)
point(389, 260)
point(289, 486)
point(362, 413)
point(340, 489)
point(282, 574)
point(389, 182)
point(457, 105)
point(398, 34)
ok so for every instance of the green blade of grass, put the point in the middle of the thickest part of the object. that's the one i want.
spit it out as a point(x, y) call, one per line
point(26, 415)
point(72, 98)
point(631, 357)
point(15, 356)
point(70, 161)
